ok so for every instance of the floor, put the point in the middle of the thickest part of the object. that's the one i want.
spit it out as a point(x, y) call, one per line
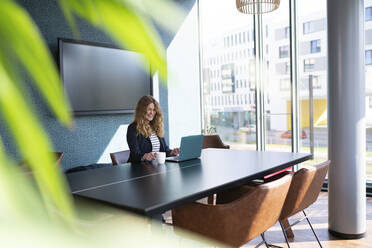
point(318, 214)
point(142, 232)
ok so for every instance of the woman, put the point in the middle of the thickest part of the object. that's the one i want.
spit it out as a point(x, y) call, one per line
point(145, 135)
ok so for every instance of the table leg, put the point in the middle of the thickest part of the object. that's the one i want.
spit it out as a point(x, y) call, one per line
point(288, 231)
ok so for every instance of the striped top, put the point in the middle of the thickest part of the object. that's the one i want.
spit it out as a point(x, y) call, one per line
point(155, 142)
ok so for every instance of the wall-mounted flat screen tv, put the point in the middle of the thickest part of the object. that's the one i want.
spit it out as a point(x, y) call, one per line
point(102, 79)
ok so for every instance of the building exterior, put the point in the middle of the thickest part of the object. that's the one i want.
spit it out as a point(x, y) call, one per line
point(229, 76)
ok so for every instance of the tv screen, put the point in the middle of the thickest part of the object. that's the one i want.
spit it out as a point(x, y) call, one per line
point(101, 79)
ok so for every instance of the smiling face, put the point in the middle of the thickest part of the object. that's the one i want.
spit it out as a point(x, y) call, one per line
point(150, 112)
point(148, 117)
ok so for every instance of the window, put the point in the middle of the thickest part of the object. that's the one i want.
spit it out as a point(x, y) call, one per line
point(285, 84)
point(308, 27)
point(252, 85)
point(315, 46)
point(286, 32)
point(283, 51)
point(309, 64)
point(316, 82)
point(368, 14)
point(287, 67)
point(369, 57)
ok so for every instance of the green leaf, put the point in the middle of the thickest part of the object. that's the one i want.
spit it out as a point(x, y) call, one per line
point(70, 18)
point(34, 145)
point(20, 35)
point(164, 12)
point(18, 196)
point(125, 26)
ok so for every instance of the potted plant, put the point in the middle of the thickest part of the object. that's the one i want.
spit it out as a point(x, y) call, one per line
point(212, 139)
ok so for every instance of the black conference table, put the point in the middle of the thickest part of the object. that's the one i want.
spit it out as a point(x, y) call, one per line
point(151, 189)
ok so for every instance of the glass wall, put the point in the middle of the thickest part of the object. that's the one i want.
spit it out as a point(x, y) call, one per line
point(229, 80)
point(368, 79)
point(228, 68)
point(312, 71)
point(276, 79)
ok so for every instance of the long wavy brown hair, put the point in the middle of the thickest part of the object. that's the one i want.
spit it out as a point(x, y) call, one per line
point(144, 127)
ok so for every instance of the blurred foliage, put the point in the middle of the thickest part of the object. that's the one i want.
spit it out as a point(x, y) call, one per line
point(43, 195)
point(21, 41)
point(36, 206)
point(128, 23)
point(209, 130)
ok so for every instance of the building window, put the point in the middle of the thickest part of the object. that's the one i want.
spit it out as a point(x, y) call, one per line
point(286, 32)
point(285, 84)
point(308, 27)
point(369, 57)
point(316, 82)
point(315, 46)
point(283, 52)
point(252, 85)
point(368, 14)
point(287, 67)
point(309, 64)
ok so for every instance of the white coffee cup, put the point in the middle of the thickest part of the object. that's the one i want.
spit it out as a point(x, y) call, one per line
point(160, 157)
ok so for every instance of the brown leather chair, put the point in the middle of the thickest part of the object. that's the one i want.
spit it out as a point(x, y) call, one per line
point(27, 170)
point(238, 217)
point(214, 141)
point(304, 190)
point(120, 157)
point(58, 156)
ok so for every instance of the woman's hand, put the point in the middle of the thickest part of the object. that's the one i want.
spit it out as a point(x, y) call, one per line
point(149, 156)
point(175, 152)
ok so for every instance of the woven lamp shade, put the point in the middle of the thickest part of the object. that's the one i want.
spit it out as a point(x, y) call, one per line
point(257, 6)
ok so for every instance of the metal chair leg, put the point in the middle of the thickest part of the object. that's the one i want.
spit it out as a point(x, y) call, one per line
point(265, 242)
point(262, 242)
point(285, 234)
point(312, 229)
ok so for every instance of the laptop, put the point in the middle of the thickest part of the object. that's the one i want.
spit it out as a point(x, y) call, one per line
point(191, 147)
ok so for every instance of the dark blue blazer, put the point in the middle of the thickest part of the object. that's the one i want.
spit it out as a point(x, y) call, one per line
point(139, 145)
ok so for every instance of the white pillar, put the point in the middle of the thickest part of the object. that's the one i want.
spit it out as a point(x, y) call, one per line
point(346, 115)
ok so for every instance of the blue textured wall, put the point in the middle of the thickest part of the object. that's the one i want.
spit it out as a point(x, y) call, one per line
point(85, 144)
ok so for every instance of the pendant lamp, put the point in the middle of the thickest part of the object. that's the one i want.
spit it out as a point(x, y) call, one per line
point(257, 6)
